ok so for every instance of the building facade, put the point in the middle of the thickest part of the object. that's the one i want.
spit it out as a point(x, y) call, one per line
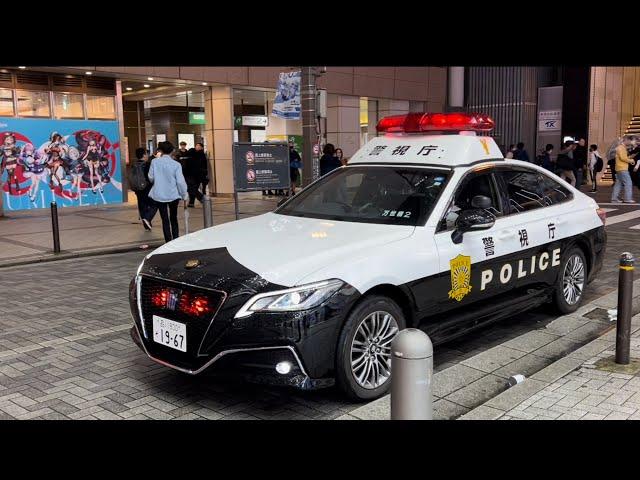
point(104, 113)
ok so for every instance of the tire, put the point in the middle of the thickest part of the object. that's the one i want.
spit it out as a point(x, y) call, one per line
point(357, 382)
point(571, 280)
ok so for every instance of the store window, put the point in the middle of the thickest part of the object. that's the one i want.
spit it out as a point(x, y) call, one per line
point(6, 103)
point(33, 103)
point(101, 107)
point(68, 105)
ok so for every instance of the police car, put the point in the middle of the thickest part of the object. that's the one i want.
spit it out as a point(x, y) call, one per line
point(427, 226)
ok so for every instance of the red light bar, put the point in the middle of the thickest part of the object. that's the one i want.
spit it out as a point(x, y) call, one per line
point(425, 122)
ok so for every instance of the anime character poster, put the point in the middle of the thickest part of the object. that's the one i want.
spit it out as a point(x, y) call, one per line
point(71, 162)
point(287, 101)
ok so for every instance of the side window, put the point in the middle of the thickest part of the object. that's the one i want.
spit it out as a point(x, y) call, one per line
point(525, 190)
point(471, 186)
point(554, 191)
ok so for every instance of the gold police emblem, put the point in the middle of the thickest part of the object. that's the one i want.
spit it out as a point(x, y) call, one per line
point(193, 263)
point(460, 277)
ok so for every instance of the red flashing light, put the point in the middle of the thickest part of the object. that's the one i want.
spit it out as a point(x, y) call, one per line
point(428, 122)
point(194, 305)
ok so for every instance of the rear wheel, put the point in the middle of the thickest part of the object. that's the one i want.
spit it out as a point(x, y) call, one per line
point(569, 291)
point(364, 350)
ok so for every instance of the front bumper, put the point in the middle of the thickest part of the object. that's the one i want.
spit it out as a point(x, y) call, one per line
point(251, 347)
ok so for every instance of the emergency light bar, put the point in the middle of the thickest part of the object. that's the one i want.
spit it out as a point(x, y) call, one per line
point(426, 122)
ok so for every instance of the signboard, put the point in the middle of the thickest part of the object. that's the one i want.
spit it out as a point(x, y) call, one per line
point(197, 118)
point(255, 120)
point(71, 162)
point(260, 166)
point(188, 138)
point(287, 102)
point(549, 120)
point(258, 136)
point(161, 137)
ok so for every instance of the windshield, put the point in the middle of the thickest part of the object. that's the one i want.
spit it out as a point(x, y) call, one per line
point(392, 195)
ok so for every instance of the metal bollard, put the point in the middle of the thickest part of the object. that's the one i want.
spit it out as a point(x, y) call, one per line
point(625, 295)
point(412, 367)
point(207, 211)
point(55, 228)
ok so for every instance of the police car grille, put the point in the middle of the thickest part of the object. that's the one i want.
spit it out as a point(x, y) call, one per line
point(196, 325)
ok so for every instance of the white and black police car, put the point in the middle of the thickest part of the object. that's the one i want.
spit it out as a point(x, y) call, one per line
point(427, 226)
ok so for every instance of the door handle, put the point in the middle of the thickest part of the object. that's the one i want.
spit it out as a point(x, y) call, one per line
point(506, 234)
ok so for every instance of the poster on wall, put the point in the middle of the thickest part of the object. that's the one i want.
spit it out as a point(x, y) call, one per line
point(549, 120)
point(287, 102)
point(71, 162)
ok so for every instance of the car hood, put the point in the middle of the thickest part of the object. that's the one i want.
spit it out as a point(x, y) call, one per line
point(278, 249)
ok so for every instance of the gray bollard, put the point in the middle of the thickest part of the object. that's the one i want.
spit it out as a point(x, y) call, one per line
point(412, 367)
point(207, 211)
point(625, 297)
point(55, 228)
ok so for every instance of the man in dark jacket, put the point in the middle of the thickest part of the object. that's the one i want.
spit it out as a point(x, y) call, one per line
point(181, 156)
point(521, 153)
point(580, 160)
point(146, 207)
point(196, 163)
point(329, 161)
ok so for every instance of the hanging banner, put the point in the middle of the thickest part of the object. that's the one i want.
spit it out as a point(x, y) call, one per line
point(72, 162)
point(287, 102)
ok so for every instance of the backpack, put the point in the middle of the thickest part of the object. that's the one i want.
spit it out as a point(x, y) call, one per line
point(599, 165)
point(137, 179)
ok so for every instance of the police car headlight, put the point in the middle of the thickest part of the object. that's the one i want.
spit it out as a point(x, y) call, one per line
point(292, 299)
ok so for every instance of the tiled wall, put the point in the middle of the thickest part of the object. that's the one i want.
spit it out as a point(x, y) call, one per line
point(614, 99)
point(403, 83)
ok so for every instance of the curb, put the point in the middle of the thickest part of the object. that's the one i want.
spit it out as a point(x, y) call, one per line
point(66, 255)
point(476, 388)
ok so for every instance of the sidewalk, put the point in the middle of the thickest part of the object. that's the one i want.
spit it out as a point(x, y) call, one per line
point(574, 388)
point(26, 237)
point(477, 388)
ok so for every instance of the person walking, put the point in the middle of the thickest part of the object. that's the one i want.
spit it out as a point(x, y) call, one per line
point(512, 149)
point(520, 153)
point(546, 161)
point(169, 187)
point(329, 161)
point(596, 164)
point(141, 186)
point(623, 179)
point(580, 160)
point(565, 163)
point(295, 163)
point(195, 163)
point(181, 155)
point(200, 154)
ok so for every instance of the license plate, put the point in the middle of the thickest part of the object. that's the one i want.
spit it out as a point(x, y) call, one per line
point(169, 333)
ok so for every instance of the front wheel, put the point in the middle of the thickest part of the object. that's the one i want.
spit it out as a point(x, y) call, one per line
point(569, 291)
point(363, 360)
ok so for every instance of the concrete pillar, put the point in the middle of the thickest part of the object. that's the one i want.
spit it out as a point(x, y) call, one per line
point(221, 148)
point(343, 122)
point(456, 88)
point(207, 133)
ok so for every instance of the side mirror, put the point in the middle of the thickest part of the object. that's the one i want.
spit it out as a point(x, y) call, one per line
point(470, 221)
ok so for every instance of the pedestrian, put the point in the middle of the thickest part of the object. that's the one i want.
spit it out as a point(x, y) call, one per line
point(565, 163)
point(141, 186)
point(546, 160)
point(623, 179)
point(181, 155)
point(169, 187)
point(580, 160)
point(520, 153)
point(194, 166)
point(596, 164)
point(512, 148)
point(340, 156)
point(204, 166)
point(295, 163)
point(329, 161)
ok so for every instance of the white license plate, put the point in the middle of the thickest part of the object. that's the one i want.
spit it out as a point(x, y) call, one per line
point(169, 333)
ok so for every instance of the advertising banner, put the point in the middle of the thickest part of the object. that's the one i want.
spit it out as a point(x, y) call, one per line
point(287, 102)
point(260, 166)
point(72, 162)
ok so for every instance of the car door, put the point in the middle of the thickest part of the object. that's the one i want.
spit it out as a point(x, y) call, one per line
point(461, 264)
